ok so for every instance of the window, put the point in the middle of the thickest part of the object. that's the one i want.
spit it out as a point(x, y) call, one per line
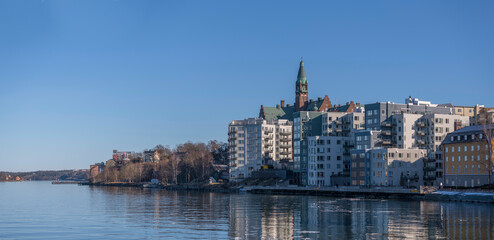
point(452, 158)
point(465, 158)
point(459, 149)
point(465, 148)
point(446, 159)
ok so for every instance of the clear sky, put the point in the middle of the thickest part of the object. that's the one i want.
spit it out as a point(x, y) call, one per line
point(81, 78)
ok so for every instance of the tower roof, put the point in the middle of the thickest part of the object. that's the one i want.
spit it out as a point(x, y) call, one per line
point(301, 78)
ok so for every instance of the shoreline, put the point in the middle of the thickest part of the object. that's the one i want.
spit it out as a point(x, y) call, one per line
point(342, 192)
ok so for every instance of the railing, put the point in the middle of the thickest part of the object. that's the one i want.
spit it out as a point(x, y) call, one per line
point(285, 139)
point(386, 132)
point(386, 124)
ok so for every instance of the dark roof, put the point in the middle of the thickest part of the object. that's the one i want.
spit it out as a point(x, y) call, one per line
point(468, 130)
point(311, 105)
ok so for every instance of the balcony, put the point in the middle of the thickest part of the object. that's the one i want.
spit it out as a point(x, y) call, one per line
point(285, 139)
point(267, 144)
point(285, 133)
point(428, 160)
point(421, 142)
point(232, 151)
point(268, 137)
point(232, 137)
point(285, 153)
point(421, 133)
point(421, 124)
point(285, 146)
point(385, 124)
point(268, 131)
point(386, 133)
point(386, 142)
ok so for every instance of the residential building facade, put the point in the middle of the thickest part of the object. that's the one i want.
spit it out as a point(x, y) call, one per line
point(255, 142)
point(468, 156)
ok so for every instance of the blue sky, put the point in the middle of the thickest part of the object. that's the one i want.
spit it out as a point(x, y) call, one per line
point(80, 78)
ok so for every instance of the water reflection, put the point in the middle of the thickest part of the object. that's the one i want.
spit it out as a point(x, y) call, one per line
point(282, 217)
point(45, 211)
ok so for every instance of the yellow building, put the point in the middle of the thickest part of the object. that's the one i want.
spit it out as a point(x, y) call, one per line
point(468, 156)
point(466, 111)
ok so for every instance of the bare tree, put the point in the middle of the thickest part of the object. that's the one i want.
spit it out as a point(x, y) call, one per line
point(488, 148)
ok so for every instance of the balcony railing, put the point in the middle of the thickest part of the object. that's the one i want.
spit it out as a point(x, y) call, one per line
point(386, 124)
point(285, 133)
point(421, 124)
point(386, 132)
point(421, 133)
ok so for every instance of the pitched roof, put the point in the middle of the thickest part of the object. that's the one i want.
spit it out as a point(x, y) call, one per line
point(311, 105)
point(468, 130)
point(273, 113)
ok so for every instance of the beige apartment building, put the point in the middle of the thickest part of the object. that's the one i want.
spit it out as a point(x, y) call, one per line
point(255, 142)
point(468, 156)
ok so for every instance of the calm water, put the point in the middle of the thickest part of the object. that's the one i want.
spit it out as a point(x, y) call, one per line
point(40, 210)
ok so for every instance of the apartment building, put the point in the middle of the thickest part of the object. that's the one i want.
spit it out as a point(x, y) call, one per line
point(325, 155)
point(341, 124)
point(468, 156)
point(254, 142)
point(360, 166)
point(423, 131)
point(376, 113)
point(396, 167)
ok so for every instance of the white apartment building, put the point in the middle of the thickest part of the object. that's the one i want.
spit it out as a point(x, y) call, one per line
point(342, 124)
point(325, 159)
point(396, 166)
point(254, 142)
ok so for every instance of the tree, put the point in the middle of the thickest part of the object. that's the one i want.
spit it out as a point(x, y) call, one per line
point(488, 138)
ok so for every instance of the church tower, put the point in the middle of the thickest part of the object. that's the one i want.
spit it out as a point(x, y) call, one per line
point(301, 89)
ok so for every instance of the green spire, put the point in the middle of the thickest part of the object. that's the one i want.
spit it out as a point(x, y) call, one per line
point(301, 78)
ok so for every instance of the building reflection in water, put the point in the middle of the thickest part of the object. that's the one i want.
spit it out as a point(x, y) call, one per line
point(285, 217)
point(252, 216)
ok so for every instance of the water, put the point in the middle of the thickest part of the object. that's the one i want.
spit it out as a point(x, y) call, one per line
point(40, 210)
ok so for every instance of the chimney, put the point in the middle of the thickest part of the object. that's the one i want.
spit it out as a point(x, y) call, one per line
point(319, 98)
point(311, 100)
point(288, 105)
point(351, 102)
point(277, 106)
point(358, 103)
point(347, 103)
point(282, 102)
